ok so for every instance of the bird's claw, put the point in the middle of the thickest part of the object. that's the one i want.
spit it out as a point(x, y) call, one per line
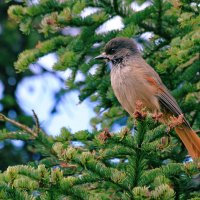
point(176, 121)
point(157, 116)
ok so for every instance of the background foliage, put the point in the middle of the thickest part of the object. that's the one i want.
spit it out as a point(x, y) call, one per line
point(12, 43)
point(104, 165)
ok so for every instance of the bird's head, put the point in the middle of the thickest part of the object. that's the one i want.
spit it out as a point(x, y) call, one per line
point(118, 48)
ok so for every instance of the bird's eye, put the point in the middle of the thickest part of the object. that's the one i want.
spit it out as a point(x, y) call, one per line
point(112, 50)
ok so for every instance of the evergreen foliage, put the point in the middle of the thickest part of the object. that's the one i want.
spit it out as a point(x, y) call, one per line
point(12, 42)
point(140, 163)
point(104, 165)
point(173, 49)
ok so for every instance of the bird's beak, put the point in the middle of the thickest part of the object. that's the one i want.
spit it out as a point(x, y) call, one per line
point(102, 56)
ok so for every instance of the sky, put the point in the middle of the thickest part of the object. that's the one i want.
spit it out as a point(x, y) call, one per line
point(36, 92)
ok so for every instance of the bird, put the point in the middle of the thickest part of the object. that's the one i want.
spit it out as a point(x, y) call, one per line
point(133, 80)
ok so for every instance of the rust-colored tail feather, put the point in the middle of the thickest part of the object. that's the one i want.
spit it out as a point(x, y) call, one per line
point(190, 139)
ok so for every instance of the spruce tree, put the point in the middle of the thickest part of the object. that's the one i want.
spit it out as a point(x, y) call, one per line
point(141, 162)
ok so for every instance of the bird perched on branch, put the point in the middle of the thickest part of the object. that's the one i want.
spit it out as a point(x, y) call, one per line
point(134, 80)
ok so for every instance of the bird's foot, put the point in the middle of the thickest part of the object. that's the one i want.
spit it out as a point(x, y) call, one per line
point(139, 110)
point(139, 114)
point(157, 116)
point(176, 121)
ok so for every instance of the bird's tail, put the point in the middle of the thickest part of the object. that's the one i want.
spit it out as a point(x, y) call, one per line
point(190, 139)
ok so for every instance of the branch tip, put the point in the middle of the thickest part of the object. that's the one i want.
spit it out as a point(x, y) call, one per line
point(37, 124)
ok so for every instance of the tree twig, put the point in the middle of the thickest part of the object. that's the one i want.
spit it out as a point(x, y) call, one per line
point(19, 125)
point(37, 124)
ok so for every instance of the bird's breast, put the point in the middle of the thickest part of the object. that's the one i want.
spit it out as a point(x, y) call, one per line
point(129, 85)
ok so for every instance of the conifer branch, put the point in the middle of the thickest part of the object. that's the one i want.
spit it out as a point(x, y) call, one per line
point(29, 56)
point(139, 164)
point(19, 125)
point(159, 18)
point(149, 28)
point(15, 135)
point(36, 122)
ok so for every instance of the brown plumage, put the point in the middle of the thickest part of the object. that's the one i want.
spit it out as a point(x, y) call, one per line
point(133, 79)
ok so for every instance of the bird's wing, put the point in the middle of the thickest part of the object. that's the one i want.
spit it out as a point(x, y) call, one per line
point(164, 97)
point(166, 100)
